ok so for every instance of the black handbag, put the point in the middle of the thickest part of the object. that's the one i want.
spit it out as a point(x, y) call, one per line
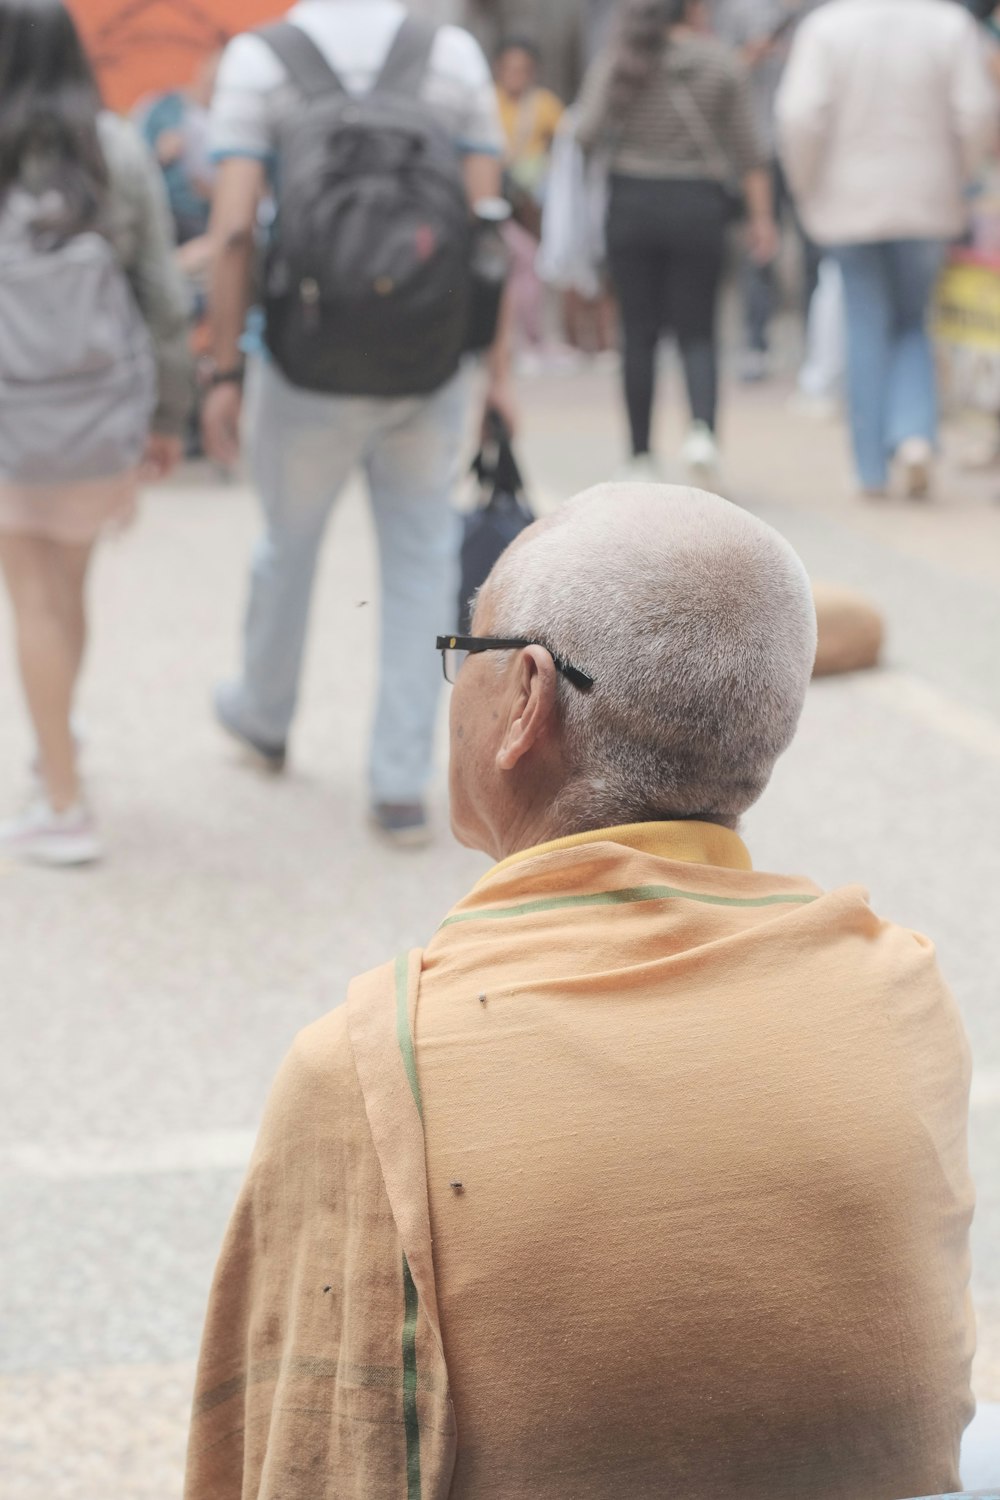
point(502, 514)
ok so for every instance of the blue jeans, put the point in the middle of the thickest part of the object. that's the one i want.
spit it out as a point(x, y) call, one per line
point(892, 392)
point(302, 449)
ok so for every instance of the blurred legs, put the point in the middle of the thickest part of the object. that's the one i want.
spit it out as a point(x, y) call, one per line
point(413, 470)
point(639, 273)
point(913, 403)
point(302, 448)
point(890, 364)
point(46, 581)
point(870, 320)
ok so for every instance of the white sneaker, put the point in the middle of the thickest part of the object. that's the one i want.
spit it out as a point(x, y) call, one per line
point(916, 459)
point(755, 366)
point(816, 408)
point(700, 453)
point(642, 468)
point(44, 837)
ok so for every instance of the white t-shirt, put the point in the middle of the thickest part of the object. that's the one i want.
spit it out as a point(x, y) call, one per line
point(354, 36)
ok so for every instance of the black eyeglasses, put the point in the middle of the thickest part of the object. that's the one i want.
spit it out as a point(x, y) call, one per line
point(455, 648)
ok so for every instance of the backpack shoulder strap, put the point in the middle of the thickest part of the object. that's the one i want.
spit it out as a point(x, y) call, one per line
point(308, 69)
point(406, 65)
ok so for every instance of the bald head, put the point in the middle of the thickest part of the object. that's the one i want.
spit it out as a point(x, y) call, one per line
point(696, 621)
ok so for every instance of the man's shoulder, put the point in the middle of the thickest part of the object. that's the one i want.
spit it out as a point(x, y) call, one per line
point(248, 63)
point(457, 52)
point(858, 942)
point(830, 18)
point(314, 1093)
point(323, 1048)
point(253, 82)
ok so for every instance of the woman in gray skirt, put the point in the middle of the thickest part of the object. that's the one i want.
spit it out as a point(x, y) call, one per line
point(95, 376)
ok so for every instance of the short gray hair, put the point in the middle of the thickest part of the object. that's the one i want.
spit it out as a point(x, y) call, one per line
point(696, 621)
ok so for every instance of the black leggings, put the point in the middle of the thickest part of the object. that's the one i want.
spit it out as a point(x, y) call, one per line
point(666, 246)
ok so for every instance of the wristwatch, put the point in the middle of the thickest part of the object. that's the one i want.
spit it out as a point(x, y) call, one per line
point(210, 375)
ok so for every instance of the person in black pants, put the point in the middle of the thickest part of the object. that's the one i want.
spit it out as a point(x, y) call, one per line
point(671, 105)
point(666, 244)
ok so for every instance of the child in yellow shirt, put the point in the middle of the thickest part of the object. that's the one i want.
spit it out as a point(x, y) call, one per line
point(529, 115)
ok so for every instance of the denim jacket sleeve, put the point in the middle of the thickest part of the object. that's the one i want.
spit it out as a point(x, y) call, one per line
point(143, 236)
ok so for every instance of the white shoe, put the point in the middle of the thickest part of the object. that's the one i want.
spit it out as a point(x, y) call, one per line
point(700, 453)
point(642, 468)
point(529, 364)
point(916, 459)
point(44, 837)
point(755, 366)
point(816, 408)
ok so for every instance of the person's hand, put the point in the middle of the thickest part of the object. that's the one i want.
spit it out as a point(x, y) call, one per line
point(163, 453)
point(193, 257)
point(169, 147)
point(220, 423)
point(762, 240)
point(501, 399)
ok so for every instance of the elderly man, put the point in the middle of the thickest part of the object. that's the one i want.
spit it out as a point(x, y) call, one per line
point(648, 1176)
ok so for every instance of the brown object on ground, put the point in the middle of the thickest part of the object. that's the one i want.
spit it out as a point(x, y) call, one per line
point(851, 630)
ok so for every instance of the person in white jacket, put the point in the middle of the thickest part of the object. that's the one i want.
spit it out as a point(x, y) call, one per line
point(885, 111)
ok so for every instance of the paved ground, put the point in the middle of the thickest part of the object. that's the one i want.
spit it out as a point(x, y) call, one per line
point(146, 1004)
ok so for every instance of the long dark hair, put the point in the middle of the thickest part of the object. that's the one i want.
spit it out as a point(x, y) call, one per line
point(639, 42)
point(49, 103)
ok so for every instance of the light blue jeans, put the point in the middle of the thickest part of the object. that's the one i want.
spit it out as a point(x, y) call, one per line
point(892, 391)
point(302, 448)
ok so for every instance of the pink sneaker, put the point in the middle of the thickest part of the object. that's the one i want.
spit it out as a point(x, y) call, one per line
point(43, 837)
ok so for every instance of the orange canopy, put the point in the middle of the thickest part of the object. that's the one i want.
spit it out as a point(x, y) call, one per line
point(141, 46)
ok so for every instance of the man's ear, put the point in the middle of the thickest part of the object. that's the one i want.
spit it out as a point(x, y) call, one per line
point(532, 712)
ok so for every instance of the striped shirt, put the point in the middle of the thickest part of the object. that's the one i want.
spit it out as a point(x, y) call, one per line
point(694, 119)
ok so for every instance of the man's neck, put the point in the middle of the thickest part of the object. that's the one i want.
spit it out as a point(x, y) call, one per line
point(515, 840)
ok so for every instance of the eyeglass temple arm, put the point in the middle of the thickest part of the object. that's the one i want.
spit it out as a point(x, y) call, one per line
point(573, 674)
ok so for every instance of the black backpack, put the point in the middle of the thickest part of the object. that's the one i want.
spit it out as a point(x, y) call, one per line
point(366, 287)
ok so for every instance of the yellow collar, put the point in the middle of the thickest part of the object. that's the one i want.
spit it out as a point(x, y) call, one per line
point(691, 843)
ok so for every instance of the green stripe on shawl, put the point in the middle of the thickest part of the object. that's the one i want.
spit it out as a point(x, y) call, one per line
point(411, 1302)
point(627, 897)
point(411, 1417)
point(403, 1028)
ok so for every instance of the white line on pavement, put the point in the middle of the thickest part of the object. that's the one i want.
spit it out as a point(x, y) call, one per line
point(213, 1151)
point(985, 1088)
point(935, 709)
point(222, 1150)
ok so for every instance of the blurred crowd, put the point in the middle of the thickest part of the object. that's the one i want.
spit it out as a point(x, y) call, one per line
point(541, 63)
point(611, 161)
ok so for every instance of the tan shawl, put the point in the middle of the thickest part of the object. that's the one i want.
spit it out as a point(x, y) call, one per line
point(322, 1373)
point(711, 1237)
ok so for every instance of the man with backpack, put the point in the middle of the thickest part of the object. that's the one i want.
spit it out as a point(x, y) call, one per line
point(378, 136)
